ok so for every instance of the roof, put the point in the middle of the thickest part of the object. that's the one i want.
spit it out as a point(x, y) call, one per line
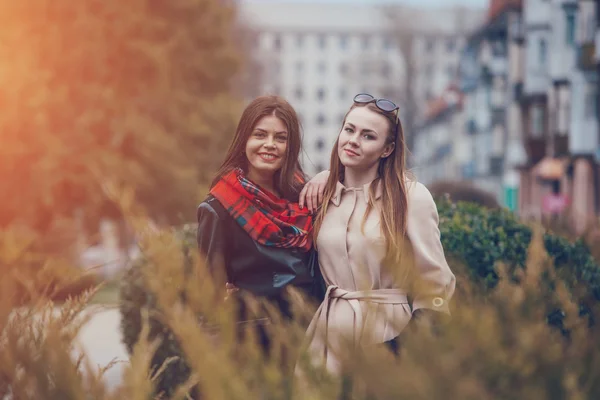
point(452, 97)
point(497, 7)
point(496, 18)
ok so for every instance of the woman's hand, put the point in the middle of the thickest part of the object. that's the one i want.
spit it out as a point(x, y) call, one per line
point(312, 193)
point(230, 289)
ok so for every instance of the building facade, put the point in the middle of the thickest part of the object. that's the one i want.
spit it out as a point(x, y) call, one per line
point(529, 83)
point(561, 120)
point(442, 148)
point(485, 80)
point(319, 55)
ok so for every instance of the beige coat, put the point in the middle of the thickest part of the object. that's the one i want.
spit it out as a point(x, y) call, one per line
point(365, 302)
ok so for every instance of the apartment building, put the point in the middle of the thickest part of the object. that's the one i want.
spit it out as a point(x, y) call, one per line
point(319, 55)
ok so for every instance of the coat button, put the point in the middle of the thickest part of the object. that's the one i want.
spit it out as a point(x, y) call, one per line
point(438, 301)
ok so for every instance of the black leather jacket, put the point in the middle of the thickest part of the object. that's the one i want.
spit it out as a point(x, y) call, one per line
point(261, 270)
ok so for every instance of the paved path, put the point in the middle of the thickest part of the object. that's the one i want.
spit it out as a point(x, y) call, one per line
point(101, 339)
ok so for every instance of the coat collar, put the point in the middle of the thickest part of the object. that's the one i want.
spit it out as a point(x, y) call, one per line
point(340, 188)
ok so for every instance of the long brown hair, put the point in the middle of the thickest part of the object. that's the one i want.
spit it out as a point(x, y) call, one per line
point(290, 178)
point(391, 174)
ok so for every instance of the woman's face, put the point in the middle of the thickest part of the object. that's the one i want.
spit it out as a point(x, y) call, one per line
point(363, 141)
point(266, 148)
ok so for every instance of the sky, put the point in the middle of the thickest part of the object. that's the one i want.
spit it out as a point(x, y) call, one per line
point(424, 3)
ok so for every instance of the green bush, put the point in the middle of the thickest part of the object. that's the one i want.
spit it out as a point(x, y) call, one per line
point(482, 238)
point(135, 297)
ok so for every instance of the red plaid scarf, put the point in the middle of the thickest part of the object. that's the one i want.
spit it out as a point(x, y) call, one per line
point(268, 219)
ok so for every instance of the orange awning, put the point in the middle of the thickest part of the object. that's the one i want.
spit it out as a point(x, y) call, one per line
point(551, 168)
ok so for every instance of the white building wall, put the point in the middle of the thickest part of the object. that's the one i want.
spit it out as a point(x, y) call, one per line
point(342, 52)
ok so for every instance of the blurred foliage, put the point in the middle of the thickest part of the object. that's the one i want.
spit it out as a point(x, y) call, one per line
point(513, 285)
point(182, 334)
point(137, 93)
point(29, 272)
point(481, 238)
point(466, 191)
point(95, 94)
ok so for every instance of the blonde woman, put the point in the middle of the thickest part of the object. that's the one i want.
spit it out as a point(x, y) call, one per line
point(377, 237)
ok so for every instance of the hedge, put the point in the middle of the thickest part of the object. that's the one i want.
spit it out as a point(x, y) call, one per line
point(479, 237)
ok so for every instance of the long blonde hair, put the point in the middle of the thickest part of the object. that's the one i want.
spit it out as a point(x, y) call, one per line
point(391, 174)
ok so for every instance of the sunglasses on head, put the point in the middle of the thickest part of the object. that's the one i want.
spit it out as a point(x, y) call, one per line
point(383, 104)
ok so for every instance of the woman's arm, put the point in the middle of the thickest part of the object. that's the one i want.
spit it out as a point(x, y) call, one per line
point(433, 283)
point(312, 193)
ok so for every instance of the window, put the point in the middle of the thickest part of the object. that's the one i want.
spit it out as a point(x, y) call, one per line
point(322, 42)
point(321, 119)
point(321, 94)
point(276, 42)
point(322, 67)
point(537, 121)
point(320, 144)
point(570, 28)
point(542, 52)
point(343, 42)
point(590, 101)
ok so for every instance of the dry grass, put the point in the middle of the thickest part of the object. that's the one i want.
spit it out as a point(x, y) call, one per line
point(495, 346)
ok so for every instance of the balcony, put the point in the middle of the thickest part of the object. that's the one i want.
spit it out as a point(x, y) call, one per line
point(535, 147)
point(518, 92)
point(496, 165)
point(561, 145)
point(586, 56)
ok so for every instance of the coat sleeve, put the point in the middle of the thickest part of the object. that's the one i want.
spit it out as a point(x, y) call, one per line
point(433, 282)
point(211, 243)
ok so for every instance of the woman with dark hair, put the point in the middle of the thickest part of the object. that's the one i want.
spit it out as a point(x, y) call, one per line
point(251, 229)
point(377, 235)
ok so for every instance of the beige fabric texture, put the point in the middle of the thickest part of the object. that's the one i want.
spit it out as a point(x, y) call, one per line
point(367, 303)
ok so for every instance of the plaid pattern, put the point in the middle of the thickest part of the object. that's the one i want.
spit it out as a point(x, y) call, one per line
point(268, 219)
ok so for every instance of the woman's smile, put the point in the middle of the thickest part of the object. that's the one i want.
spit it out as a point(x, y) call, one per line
point(268, 157)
